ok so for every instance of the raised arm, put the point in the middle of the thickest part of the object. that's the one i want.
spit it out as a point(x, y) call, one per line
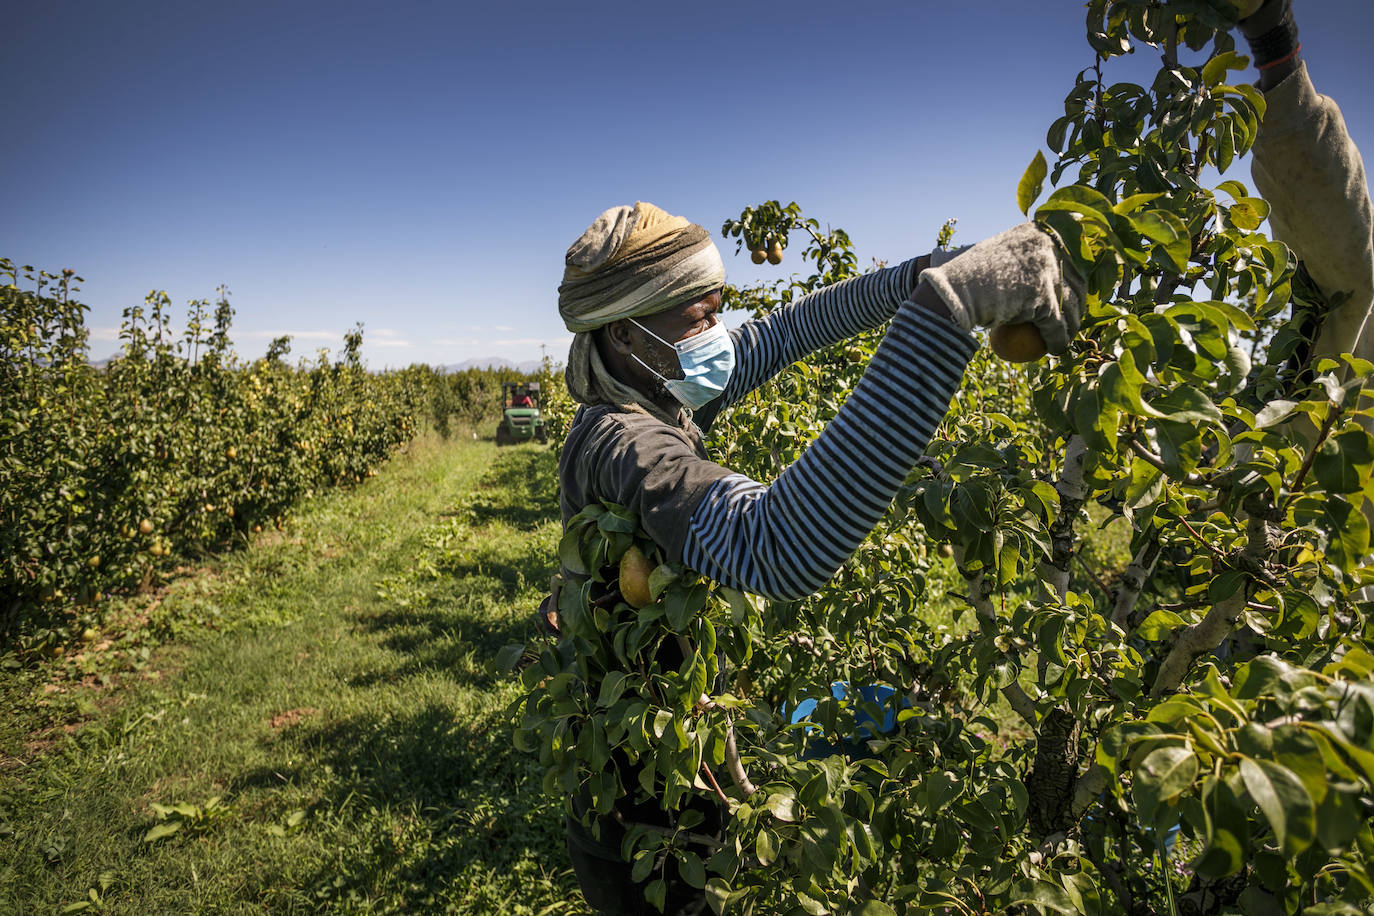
point(1309, 170)
point(765, 346)
point(788, 539)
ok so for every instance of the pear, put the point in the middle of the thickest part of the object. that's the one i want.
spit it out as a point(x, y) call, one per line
point(635, 568)
point(1018, 343)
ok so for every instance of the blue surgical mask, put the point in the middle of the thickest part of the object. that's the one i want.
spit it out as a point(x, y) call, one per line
point(707, 359)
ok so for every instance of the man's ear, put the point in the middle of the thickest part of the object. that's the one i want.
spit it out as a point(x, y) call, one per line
point(618, 336)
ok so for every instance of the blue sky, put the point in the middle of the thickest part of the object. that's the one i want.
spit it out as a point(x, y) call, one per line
point(422, 167)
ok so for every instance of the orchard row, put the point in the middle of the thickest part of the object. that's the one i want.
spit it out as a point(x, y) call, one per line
point(114, 474)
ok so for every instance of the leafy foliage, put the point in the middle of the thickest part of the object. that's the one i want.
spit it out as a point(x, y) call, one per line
point(472, 395)
point(1190, 727)
point(175, 447)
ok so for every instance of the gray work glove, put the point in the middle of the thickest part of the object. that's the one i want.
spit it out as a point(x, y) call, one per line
point(1012, 278)
point(941, 256)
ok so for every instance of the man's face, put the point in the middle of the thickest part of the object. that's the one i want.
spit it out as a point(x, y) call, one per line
point(674, 325)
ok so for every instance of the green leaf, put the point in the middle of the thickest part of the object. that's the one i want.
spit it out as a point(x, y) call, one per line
point(1274, 412)
point(873, 908)
point(617, 521)
point(1144, 485)
point(1284, 801)
point(684, 603)
point(662, 577)
point(1095, 421)
point(1345, 527)
point(766, 847)
point(1227, 833)
point(1339, 819)
point(611, 689)
point(1084, 201)
point(508, 656)
point(570, 552)
point(1164, 774)
point(1185, 404)
point(782, 806)
point(690, 868)
point(1342, 464)
point(1130, 204)
point(1159, 625)
point(717, 893)
point(1028, 189)
point(644, 863)
point(656, 894)
point(165, 829)
point(1044, 894)
point(1180, 707)
point(1169, 233)
point(1214, 71)
point(1248, 212)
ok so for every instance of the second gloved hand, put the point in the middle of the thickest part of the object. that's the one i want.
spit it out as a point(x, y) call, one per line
point(1014, 277)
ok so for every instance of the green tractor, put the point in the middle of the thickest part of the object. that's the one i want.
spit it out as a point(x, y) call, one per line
point(520, 419)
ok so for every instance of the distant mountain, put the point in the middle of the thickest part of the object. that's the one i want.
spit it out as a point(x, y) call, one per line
point(492, 362)
point(495, 362)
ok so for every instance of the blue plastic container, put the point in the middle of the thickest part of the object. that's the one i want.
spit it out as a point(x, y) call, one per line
point(865, 726)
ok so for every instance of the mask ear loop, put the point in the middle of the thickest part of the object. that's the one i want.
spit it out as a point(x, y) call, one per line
point(663, 378)
point(665, 343)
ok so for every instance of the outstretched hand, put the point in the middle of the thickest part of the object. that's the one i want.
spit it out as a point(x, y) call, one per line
point(1015, 277)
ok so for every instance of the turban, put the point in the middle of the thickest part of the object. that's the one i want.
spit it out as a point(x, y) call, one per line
point(631, 261)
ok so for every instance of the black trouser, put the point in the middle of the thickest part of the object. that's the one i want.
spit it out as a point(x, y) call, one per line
point(605, 876)
point(608, 889)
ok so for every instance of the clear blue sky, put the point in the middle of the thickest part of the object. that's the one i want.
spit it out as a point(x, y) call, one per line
point(422, 167)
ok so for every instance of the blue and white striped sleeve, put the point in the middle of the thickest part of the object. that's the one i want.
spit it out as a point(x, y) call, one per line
point(786, 540)
point(766, 346)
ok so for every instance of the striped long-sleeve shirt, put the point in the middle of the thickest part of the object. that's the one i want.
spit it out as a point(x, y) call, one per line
point(786, 539)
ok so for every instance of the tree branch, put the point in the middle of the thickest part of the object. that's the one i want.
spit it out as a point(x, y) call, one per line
point(1072, 491)
point(733, 763)
point(1220, 621)
point(979, 592)
point(1133, 580)
point(715, 786)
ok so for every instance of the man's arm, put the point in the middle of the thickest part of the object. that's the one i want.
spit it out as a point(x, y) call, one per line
point(765, 346)
point(786, 540)
point(1309, 170)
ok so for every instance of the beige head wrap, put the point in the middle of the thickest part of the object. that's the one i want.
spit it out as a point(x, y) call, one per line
point(631, 261)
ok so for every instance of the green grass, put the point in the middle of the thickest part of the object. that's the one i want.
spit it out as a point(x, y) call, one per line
point(331, 686)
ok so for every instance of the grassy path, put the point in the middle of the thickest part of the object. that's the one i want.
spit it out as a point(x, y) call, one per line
point(331, 688)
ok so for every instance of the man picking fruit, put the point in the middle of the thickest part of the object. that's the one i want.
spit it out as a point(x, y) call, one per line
point(652, 365)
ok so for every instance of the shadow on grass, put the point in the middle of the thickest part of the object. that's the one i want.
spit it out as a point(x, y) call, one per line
point(455, 645)
point(521, 489)
point(488, 588)
point(439, 809)
point(429, 799)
